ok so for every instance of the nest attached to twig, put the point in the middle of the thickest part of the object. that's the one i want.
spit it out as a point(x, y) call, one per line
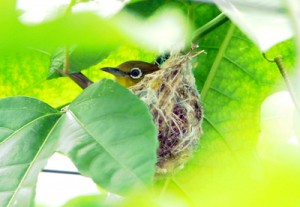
point(174, 102)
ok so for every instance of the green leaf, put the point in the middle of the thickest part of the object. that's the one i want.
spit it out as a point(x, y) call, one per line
point(234, 79)
point(236, 75)
point(25, 146)
point(144, 8)
point(256, 18)
point(80, 57)
point(87, 201)
point(57, 63)
point(110, 136)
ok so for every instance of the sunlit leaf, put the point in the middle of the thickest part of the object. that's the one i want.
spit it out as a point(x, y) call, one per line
point(87, 201)
point(256, 19)
point(25, 146)
point(110, 136)
point(233, 79)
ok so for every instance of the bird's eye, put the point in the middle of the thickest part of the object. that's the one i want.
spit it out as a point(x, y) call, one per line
point(135, 73)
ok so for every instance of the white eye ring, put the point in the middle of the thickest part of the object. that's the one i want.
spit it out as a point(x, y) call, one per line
point(135, 73)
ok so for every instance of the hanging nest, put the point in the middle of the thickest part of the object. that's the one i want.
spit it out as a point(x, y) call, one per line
point(174, 102)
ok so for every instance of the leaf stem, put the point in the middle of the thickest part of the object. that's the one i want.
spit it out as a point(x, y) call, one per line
point(79, 78)
point(280, 65)
point(66, 69)
point(217, 62)
point(69, 8)
point(210, 26)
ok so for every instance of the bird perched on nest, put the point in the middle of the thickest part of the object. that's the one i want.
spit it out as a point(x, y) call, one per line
point(131, 72)
point(170, 92)
point(127, 74)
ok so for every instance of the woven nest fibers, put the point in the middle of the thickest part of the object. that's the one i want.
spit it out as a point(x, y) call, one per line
point(173, 99)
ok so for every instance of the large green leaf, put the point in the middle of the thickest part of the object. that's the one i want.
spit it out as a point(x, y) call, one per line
point(256, 18)
point(110, 136)
point(25, 146)
point(233, 79)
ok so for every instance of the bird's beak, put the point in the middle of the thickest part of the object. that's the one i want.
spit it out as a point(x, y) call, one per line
point(114, 71)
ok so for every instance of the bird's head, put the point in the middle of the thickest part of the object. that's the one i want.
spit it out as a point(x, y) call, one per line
point(131, 72)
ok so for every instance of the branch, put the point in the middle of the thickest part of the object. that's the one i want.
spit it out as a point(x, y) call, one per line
point(81, 80)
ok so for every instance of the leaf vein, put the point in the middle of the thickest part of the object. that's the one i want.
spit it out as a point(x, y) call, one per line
point(217, 62)
point(32, 163)
point(24, 126)
point(108, 151)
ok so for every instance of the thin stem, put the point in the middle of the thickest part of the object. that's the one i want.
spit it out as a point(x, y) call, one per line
point(80, 79)
point(280, 65)
point(69, 8)
point(66, 69)
point(61, 172)
point(210, 26)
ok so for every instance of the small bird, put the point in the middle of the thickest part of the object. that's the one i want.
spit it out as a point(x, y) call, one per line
point(131, 72)
point(127, 74)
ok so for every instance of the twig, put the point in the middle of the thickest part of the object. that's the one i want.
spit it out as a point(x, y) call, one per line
point(81, 80)
point(61, 172)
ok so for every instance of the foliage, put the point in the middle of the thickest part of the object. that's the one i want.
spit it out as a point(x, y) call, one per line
point(108, 132)
point(31, 131)
point(88, 201)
